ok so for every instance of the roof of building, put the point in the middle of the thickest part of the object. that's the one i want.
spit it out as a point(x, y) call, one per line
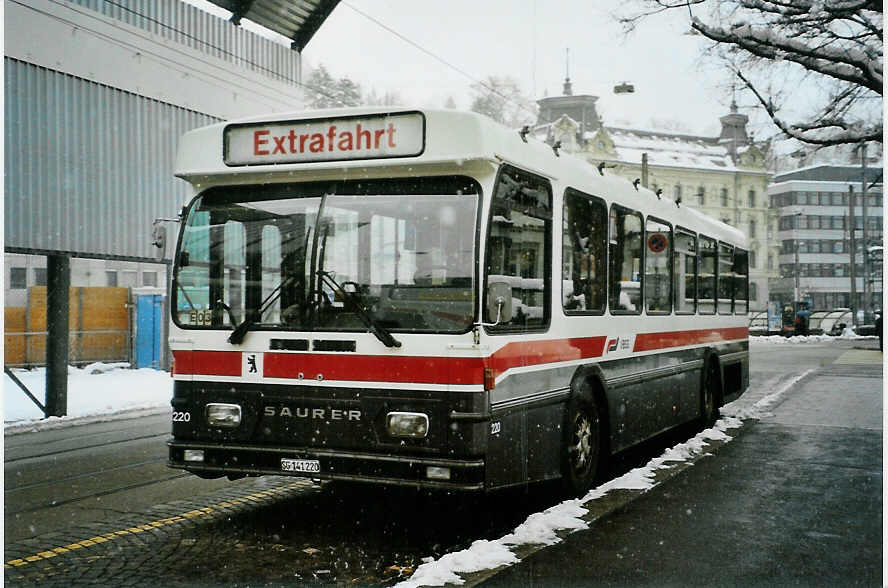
point(663, 149)
point(832, 173)
point(298, 20)
point(672, 150)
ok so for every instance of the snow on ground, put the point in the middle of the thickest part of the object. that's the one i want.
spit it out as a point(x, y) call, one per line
point(99, 391)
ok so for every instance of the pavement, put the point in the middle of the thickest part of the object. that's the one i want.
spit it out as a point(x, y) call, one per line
point(794, 499)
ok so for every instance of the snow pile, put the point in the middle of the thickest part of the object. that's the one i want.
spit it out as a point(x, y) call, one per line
point(97, 391)
point(482, 555)
point(849, 333)
point(796, 339)
point(540, 528)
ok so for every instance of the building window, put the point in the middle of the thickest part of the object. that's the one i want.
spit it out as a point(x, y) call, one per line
point(770, 261)
point(701, 196)
point(111, 278)
point(18, 278)
point(149, 279)
point(128, 278)
point(752, 229)
point(752, 260)
point(39, 276)
point(724, 197)
point(752, 199)
point(677, 193)
point(753, 292)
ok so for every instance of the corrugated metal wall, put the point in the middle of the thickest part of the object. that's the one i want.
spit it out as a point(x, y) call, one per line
point(190, 26)
point(87, 166)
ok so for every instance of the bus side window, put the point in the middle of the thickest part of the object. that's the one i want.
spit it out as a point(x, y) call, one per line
point(657, 269)
point(584, 225)
point(706, 277)
point(625, 255)
point(685, 272)
point(741, 281)
point(519, 250)
point(725, 277)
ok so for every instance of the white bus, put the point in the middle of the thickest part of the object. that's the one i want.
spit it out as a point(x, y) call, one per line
point(427, 298)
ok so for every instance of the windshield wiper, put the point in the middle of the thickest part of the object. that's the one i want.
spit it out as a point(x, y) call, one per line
point(364, 313)
point(240, 331)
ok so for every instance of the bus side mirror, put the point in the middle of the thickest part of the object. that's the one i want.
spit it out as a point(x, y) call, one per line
point(499, 302)
point(159, 239)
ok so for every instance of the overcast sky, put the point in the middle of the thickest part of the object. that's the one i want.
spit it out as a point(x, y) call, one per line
point(524, 39)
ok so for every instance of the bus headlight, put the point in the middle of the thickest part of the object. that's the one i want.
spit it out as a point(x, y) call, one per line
point(225, 416)
point(407, 424)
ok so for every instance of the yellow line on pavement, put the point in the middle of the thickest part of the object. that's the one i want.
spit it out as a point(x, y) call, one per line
point(256, 497)
point(860, 357)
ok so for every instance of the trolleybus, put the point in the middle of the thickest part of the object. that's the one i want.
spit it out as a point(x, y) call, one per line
point(427, 298)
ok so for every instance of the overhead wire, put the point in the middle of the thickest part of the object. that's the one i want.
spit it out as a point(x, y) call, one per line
point(443, 61)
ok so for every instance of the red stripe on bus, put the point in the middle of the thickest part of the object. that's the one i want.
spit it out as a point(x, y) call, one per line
point(651, 341)
point(208, 363)
point(528, 353)
point(375, 368)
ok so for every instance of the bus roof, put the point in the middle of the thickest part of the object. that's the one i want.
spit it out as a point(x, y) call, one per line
point(417, 139)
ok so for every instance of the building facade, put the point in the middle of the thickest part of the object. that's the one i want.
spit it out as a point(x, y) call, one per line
point(815, 236)
point(724, 177)
point(97, 96)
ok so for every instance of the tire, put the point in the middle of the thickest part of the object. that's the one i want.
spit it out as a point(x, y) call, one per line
point(708, 395)
point(581, 446)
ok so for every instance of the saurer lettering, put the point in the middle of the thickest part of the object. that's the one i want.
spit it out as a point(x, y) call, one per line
point(353, 139)
point(301, 412)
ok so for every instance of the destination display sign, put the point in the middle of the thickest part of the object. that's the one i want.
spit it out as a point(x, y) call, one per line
point(331, 139)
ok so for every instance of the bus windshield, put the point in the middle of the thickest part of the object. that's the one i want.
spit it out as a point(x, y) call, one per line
point(383, 255)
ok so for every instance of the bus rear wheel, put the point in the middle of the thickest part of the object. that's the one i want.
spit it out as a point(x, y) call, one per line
point(581, 453)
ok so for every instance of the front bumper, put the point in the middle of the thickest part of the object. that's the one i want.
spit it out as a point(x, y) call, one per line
point(400, 470)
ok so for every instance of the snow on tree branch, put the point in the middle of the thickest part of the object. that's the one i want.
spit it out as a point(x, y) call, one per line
point(837, 42)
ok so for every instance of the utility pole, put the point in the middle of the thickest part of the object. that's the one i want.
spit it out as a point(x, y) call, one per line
point(867, 293)
point(853, 255)
point(644, 170)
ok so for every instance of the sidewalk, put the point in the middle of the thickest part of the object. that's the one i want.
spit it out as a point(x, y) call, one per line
point(795, 498)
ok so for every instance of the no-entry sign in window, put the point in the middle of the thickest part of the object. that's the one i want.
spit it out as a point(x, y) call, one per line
point(369, 137)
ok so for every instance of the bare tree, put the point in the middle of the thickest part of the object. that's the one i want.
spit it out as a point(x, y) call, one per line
point(323, 91)
point(501, 99)
point(835, 45)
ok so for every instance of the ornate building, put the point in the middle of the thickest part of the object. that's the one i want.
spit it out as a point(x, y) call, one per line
point(723, 176)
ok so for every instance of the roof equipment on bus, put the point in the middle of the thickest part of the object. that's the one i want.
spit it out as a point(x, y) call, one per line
point(603, 165)
point(658, 193)
point(555, 147)
point(635, 183)
point(523, 132)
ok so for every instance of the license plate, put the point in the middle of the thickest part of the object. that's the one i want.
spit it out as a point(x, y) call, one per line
point(306, 466)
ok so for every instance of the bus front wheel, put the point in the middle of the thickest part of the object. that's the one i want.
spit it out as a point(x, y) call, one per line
point(581, 451)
